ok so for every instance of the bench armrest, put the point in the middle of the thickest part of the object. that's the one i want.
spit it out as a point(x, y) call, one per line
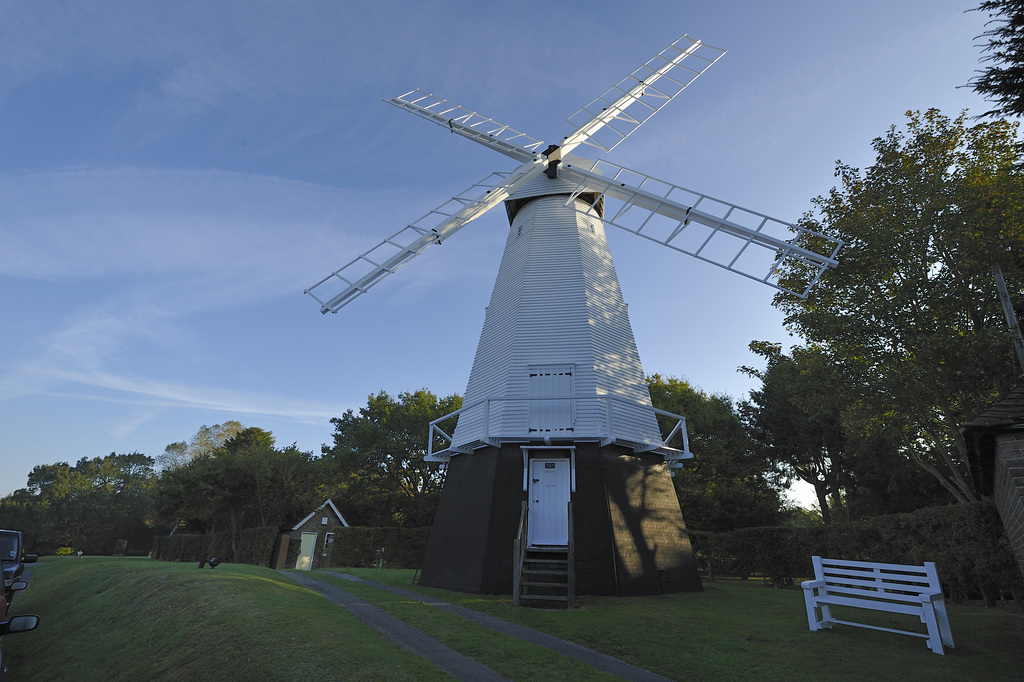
point(932, 596)
point(811, 584)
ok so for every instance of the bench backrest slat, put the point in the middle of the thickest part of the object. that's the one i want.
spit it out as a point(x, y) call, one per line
point(872, 579)
point(914, 597)
point(862, 564)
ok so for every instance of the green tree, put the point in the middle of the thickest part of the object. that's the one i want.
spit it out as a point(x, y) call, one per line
point(725, 486)
point(245, 483)
point(90, 505)
point(377, 458)
point(911, 313)
point(203, 444)
point(1001, 82)
point(796, 420)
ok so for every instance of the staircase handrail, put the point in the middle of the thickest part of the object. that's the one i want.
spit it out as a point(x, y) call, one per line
point(570, 575)
point(519, 550)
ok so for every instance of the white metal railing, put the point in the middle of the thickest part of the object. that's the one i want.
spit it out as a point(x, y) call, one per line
point(602, 430)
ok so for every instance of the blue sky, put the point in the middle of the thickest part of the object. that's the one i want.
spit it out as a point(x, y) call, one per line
point(173, 175)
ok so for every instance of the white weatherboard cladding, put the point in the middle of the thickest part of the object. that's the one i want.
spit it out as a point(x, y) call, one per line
point(557, 304)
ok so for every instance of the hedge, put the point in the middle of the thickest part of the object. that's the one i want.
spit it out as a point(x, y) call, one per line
point(966, 542)
point(384, 547)
point(255, 546)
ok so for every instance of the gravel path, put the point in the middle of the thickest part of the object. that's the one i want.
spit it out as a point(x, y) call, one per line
point(563, 647)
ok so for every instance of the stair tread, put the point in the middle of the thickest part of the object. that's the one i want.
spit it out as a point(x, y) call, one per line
point(560, 586)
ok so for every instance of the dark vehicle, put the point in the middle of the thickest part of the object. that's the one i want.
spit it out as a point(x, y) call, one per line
point(10, 556)
point(10, 625)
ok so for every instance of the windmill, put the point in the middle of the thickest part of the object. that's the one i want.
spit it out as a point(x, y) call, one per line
point(557, 451)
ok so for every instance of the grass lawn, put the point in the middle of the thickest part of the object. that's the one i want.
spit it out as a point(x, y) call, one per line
point(738, 630)
point(139, 619)
point(135, 619)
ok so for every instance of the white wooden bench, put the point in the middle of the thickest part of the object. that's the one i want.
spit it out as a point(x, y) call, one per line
point(895, 588)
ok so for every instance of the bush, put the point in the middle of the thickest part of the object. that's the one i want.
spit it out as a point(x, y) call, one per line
point(256, 546)
point(385, 547)
point(966, 542)
point(183, 547)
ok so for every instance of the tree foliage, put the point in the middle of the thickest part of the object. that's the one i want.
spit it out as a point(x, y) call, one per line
point(1002, 81)
point(796, 419)
point(911, 313)
point(88, 506)
point(725, 486)
point(203, 444)
point(245, 483)
point(377, 457)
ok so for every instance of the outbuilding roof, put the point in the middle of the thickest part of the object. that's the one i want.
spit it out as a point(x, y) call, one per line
point(328, 503)
point(1007, 413)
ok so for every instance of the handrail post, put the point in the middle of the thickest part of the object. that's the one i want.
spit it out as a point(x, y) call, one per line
point(518, 550)
point(570, 575)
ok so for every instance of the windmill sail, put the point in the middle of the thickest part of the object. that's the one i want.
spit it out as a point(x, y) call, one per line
point(746, 242)
point(620, 110)
point(353, 279)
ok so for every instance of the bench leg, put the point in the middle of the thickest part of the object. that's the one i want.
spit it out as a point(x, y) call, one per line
point(934, 638)
point(944, 631)
point(812, 617)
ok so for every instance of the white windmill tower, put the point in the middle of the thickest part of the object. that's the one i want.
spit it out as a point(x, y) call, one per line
point(557, 449)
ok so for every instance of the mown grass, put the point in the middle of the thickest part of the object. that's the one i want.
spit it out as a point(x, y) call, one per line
point(138, 619)
point(738, 630)
point(133, 619)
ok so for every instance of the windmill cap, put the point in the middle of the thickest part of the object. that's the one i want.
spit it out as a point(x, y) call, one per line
point(543, 186)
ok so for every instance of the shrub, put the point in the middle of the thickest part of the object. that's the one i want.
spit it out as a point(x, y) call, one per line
point(184, 547)
point(370, 547)
point(256, 546)
point(966, 542)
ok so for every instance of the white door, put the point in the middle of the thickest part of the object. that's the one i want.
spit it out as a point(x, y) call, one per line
point(306, 548)
point(549, 502)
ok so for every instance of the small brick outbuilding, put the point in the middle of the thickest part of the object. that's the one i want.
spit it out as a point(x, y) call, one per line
point(307, 544)
point(995, 441)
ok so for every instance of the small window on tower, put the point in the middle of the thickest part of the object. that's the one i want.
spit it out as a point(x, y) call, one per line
point(323, 520)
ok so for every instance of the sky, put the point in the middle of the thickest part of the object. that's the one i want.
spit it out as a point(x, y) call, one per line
point(174, 175)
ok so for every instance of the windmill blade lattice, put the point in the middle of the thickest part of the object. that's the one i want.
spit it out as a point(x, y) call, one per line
point(353, 279)
point(470, 124)
point(620, 110)
point(737, 239)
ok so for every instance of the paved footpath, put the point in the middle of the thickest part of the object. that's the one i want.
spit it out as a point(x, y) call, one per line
point(458, 665)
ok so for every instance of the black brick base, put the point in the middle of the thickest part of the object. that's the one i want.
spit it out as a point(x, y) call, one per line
point(630, 535)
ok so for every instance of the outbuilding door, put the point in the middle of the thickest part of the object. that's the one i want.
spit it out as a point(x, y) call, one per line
point(549, 502)
point(306, 548)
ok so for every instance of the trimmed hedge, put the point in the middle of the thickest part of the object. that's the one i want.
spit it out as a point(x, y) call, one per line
point(386, 547)
point(183, 547)
point(255, 546)
point(966, 542)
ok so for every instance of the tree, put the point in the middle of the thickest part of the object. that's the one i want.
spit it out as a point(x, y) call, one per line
point(90, 505)
point(377, 457)
point(203, 444)
point(245, 483)
point(911, 313)
point(796, 420)
point(725, 486)
point(1003, 81)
